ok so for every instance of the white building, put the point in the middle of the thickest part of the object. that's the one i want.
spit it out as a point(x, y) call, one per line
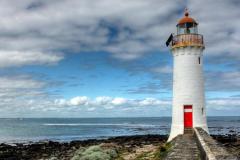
point(188, 81)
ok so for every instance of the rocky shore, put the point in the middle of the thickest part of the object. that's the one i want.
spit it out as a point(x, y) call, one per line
point(147, 147)
point(230, 142)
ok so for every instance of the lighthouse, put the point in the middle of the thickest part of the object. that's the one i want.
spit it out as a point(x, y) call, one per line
point(188, 110)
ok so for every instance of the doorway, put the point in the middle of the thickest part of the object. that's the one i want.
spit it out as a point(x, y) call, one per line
point(188, 116)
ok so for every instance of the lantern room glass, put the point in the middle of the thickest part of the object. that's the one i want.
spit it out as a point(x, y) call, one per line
point(187, 28)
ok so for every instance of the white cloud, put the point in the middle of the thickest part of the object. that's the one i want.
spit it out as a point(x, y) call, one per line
point(35, 32)
point(162, 69)
point(154, 102)
point(223, 81)
point(20, 82)
point(19, 104)
point(224, 106)
point(20, 58)
point(224, 102)
point(22, 95)
point(60, 102)
point(119, 101)
point(103, 100)
point(91, 109)
point(84, 26)
point(77, 101)
point(125, 29)
point(20, 90)
point(111, 102)
point(218, 25)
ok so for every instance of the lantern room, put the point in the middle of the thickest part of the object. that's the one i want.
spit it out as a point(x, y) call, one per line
point(187, 33)
point(187, 25)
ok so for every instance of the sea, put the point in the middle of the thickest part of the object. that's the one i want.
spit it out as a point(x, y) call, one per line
point(24, 130)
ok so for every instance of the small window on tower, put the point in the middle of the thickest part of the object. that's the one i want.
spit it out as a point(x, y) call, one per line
point(202, 110)
point(199, 60)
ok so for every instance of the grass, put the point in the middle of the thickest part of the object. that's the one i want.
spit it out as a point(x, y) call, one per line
point(144, 156)
point(163, 151)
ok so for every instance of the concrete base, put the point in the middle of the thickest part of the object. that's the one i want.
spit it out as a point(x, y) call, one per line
point(197, 145)
point(211, 149)
point(179, 129)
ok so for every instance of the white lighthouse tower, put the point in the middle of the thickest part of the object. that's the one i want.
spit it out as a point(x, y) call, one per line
point(188, 82)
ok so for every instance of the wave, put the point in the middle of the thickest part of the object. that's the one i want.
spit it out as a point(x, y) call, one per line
point(102, 124)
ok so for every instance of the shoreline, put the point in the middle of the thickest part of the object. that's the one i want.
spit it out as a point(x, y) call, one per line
point(126, 146)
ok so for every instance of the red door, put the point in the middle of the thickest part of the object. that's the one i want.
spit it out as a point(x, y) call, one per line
point(188, 122)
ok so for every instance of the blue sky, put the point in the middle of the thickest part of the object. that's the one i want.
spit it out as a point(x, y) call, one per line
point(106, 58)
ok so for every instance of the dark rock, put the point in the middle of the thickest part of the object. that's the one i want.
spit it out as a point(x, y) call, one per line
point(64, 151)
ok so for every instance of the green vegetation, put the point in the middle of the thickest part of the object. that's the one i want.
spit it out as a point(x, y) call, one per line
point(114, 152)
point(144, 156)
point(163, 151)
point(95, 153)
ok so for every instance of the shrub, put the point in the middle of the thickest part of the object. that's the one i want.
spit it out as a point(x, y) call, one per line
point(95, 153)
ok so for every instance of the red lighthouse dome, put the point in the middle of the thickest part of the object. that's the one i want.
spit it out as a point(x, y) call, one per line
point(186, 19)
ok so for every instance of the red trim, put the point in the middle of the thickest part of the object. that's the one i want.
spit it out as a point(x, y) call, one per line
point(187, 106)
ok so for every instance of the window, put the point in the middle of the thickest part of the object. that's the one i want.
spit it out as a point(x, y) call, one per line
point(202, 110)
point(199, 60)
point(187, 28)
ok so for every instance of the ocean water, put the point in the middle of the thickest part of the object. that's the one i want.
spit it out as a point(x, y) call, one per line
point(67, 129)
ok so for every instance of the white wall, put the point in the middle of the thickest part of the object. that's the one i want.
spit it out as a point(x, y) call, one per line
point(188, 88)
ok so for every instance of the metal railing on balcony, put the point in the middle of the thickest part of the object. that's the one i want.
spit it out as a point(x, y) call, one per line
point(183, 40)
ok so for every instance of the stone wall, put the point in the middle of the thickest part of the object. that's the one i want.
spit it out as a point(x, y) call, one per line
point(210, 148)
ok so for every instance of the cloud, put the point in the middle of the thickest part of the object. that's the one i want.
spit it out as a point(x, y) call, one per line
point(16, 58)
point(125, 29)
point(223, 106)
point(230, 102)
point(19, 82)
point(104, 101)
point(109, 103)
point(162, 69)
point(118, 101)
point(91, 109)
point(113, 102)
point(23, 96)
point(218, 26)
point(153, 102)
point(77, 101)
point(149, 88)
point(20, 90)
point(42, 32)
point(223, 81)
point(20, 94)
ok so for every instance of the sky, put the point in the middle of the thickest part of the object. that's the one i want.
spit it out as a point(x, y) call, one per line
point(105, 58)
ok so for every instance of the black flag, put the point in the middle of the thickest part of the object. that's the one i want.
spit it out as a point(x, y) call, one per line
point(169, 40)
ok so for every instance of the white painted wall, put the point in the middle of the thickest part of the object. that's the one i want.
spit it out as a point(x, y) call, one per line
point(188, 88)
